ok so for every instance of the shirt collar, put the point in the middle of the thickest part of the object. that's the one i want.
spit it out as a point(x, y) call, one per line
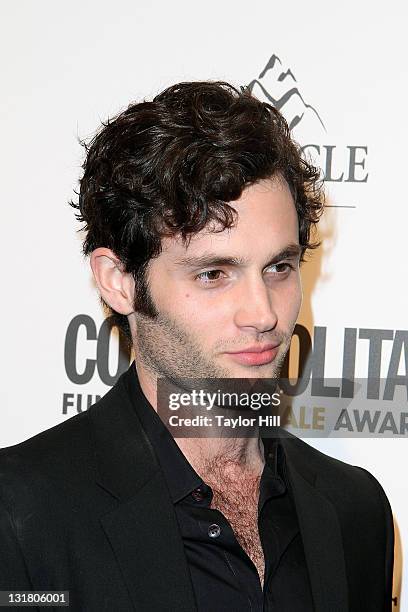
point(180, 476)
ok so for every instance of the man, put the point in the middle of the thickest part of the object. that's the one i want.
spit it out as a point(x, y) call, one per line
point(198, 209)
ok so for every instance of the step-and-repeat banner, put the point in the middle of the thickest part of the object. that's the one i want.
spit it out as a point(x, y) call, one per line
point(338, 73)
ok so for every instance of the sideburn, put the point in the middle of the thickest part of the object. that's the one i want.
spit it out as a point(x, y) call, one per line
point(143, 302)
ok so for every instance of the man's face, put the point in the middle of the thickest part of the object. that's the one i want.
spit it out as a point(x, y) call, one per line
point(226, 294)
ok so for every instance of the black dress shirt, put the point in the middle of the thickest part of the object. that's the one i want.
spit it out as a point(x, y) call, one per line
point(224, 577)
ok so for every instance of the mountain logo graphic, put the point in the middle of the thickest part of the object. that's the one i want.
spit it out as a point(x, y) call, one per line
point(288, 96)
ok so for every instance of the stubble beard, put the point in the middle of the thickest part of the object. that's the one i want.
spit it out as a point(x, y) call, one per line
point(167, 349)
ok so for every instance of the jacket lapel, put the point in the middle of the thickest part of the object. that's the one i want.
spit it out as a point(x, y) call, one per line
point(142, 527)
point(320, 532)
point(148, 547)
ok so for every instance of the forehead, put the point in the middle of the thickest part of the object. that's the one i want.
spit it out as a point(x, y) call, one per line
point(266, 219)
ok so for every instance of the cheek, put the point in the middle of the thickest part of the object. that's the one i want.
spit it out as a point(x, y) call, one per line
point(168, 296)
point(207, 318)
point(290, 301)
point(296, 299)
point(193, 312)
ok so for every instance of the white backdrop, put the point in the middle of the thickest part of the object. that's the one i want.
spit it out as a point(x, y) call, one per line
point(66, 66)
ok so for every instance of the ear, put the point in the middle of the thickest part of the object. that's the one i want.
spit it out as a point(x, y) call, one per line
point(115, 286)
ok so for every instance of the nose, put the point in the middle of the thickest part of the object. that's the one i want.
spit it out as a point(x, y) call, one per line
point(255, 309)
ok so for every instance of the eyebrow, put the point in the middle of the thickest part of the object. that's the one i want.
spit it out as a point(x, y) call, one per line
point(291, 251)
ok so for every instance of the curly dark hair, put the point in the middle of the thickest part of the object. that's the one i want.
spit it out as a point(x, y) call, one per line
point(170, 166)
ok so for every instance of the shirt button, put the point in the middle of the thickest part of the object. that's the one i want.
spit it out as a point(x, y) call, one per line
point(214, 530)
point(197, 495)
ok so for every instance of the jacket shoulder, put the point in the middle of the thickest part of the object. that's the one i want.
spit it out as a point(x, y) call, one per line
point(63, 445)
point(63, 456)
point(345, 483)
point(60, 441)
point(58, 454)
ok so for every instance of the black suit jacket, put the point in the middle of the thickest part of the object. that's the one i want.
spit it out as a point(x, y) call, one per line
point(84, 507)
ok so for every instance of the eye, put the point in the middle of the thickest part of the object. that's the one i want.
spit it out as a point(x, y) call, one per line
point(209, 277)
point(281, 269)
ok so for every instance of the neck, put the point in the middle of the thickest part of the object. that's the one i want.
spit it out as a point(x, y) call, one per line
point(234, 455)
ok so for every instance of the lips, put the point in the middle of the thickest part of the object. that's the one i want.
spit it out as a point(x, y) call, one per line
point(255, 355)
point(255, 348)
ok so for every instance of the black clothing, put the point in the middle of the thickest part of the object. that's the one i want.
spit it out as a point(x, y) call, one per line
point(223, 576)
point(85, 507)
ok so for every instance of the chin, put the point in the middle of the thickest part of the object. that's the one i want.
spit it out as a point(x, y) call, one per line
point(262, 371)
